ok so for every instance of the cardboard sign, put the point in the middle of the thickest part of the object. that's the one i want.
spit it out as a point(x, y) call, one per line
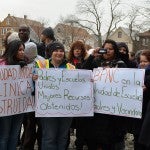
point(16, 88)
point(64, 93)
point(118, 91)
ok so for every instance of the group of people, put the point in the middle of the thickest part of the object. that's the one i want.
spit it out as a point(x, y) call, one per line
point(100, 132)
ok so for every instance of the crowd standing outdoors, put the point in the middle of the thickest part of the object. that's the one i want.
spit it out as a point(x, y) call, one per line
point(100, 132)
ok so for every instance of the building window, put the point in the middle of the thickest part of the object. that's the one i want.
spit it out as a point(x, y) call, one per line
point(8, 21)
point(119, 34)
point(145, 41)
point(68, 39)
point(58, 30)
point(63, 41)
point(3, 31)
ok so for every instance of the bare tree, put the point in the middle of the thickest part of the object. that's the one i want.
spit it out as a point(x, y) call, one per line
point(145, 13)
point(99, 15)
point(39, 27)
point(116, 16)
point(93, 12)
point(133, 17)
point(139, 16)
point(137, 21)
point(70, 31)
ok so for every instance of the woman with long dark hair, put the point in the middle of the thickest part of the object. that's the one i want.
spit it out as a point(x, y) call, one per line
point(104, 131)
point(10, 125)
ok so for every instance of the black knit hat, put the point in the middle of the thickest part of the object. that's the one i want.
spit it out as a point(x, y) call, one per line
point(49, 33)
point(123, 44)
point(54, 46)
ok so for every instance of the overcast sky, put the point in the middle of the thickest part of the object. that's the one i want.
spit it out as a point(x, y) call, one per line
point(48, 10)
point(44, 10)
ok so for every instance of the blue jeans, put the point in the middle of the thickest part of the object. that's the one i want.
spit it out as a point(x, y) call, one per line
point(55, 132)
point(9, 131)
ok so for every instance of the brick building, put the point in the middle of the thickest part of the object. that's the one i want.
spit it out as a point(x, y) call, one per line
point(144, 40)
point(13, 23)
point(67, 34)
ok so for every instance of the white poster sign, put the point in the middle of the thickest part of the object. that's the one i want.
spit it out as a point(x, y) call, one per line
point(62, 93)
point(16, 88)
point(118, 91)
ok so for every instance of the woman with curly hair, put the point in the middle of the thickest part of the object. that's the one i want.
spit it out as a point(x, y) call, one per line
point(77, 56)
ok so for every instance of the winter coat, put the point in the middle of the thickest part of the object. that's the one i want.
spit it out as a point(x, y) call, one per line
point(46, 63)
point(129, 63)
point(104, 128)
point(78, 62)
point(93, 62)
point(144, 137)
point(41, 49)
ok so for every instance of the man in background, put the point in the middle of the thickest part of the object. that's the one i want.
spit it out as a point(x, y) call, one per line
point(47, 37)
point(30, 123)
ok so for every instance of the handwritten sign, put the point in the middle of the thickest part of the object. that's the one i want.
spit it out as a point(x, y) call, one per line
point(16, 87)
point(118, 91)
point(62, 93)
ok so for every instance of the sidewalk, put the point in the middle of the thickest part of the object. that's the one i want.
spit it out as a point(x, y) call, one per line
point(128, 143)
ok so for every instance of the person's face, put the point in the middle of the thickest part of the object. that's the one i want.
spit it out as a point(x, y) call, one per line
point(143, 62)
point(24, 33)
point(43, 38)
point(110, 51)
point(20, 54)
point(131, 57)
point(122, 50)
point(58, 55)
point(77, 52)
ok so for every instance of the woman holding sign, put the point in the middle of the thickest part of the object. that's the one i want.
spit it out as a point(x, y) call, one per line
point(142, 126)
point(77, 56)
point(55, 129)
point(10, 125)
point(105, 131)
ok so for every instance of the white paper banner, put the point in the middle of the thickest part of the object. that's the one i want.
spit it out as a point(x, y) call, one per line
point(16, 88)
point(118, 91)
point(62, 93)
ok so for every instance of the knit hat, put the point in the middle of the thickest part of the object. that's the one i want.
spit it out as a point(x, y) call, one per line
point(122, 44)
point(13, 36)
point(49, 33)
point(31, 51)
point(54, 46)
